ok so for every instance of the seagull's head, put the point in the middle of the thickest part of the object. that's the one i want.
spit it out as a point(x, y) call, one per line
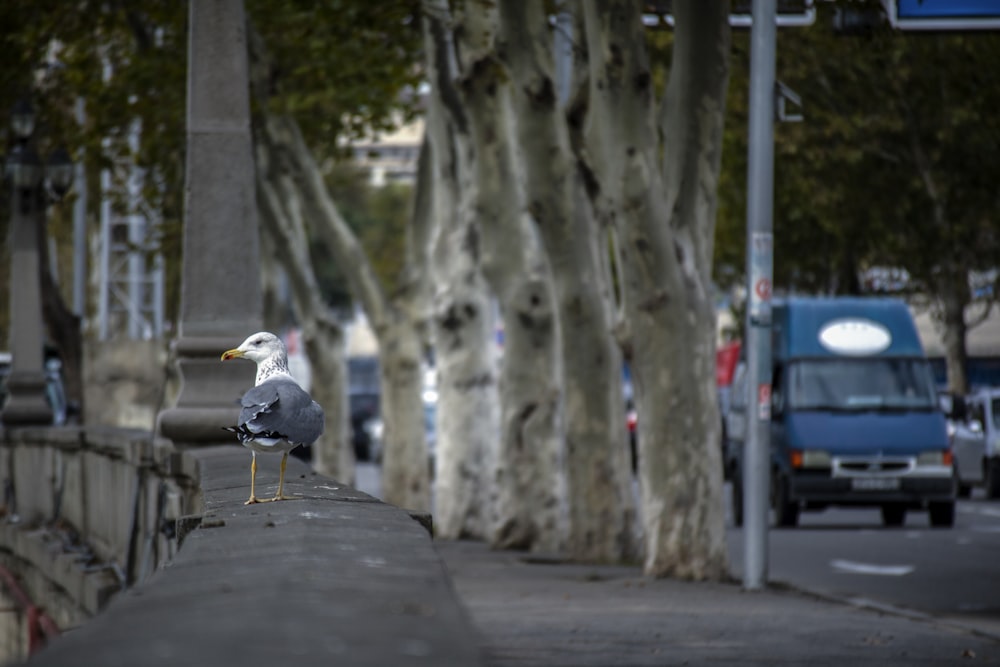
point(260, 347)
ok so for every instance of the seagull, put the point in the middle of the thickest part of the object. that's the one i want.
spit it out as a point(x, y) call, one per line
point(277, 415)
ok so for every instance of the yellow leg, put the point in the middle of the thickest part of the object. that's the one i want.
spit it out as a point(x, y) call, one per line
point(253, 480)
point(280, 495)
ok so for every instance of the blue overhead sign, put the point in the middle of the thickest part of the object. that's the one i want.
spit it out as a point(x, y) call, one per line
point(944, 14)
point(916, 9)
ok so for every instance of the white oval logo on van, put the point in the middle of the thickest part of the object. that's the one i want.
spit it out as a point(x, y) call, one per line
point(854, 336)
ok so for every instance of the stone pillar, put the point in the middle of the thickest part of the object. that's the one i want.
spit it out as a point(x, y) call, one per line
point(26, 403)
point(220, 290)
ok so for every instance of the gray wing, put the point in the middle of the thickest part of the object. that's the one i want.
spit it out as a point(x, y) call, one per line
point(280, 408)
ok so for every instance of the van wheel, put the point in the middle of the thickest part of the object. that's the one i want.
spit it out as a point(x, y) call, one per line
point(893, 515)
point(942, 514)
point(786, 512)
point(991, 477)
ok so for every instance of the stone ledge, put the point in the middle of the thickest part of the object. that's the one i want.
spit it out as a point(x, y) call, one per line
point(333, 577)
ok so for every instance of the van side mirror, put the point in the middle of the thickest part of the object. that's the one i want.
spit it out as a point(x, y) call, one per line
point(777, 403)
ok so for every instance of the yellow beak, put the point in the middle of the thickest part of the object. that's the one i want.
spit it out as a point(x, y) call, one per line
point(231, 354)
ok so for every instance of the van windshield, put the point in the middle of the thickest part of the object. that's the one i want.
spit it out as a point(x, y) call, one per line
point(860, 384)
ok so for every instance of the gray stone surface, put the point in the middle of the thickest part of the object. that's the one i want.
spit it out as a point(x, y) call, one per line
point(85, 510)
point(335, 577)
point(546, 614)
point(25, 403)
point(220, 288)
point(123, 382)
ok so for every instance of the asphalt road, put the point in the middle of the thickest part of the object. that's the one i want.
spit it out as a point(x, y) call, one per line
point(847, 554)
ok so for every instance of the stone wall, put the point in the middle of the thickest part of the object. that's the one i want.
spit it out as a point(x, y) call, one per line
point(13, 629)
point(332, 577)
point(153, 553)
point(124, 382)
point(88, 512)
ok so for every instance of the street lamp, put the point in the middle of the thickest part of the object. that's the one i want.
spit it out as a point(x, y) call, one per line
point(32, 187)
point(22, 119)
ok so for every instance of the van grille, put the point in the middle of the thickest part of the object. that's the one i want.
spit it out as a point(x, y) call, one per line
point(867, 466)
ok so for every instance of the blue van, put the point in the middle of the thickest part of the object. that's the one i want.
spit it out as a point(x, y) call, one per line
point(855, 418)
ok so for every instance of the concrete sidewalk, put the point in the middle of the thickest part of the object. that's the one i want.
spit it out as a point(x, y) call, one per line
point(550, 614)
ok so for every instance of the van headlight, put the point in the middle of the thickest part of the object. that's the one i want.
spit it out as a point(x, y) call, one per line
point(935, 457)
point(811, 458)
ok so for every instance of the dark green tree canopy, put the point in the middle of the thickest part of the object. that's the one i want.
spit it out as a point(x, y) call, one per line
point(343, 68)
point(893, 165)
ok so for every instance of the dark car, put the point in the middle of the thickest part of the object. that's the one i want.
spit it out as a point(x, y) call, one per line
point(364, 404)
point(364, 409)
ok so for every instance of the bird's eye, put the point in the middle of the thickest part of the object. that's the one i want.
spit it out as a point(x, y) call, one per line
point(257, 342)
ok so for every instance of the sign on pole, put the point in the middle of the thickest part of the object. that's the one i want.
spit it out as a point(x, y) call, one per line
point(943, 14)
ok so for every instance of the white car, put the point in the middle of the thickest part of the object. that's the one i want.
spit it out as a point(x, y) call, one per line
point(976, 443)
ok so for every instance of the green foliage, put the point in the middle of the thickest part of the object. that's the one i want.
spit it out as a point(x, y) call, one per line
point(891, 166)
point(60, 52)
point(378, 217)
point(344, 66)
point(346, 69)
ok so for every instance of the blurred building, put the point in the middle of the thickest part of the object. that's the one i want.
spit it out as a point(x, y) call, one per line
point(391, 158)
point(982, 345)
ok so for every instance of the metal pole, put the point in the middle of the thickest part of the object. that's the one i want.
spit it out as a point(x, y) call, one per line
point(104, 295)
point(80, 227)
point(137, 323)
point(760, 204)
point(158, 290)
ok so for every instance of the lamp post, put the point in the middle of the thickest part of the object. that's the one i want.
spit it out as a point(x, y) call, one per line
point(32, 185)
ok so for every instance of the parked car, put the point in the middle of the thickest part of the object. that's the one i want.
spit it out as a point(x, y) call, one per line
point(374, 429)
point(363, 408)
point(976, 442)
point(55, 392)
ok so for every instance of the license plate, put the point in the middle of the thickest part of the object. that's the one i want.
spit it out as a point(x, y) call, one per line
point(875, 483)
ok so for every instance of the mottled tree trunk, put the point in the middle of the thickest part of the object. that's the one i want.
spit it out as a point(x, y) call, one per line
point(599, 481)
point(405, 475)
point(463, 325)
point(278, 314)
point(954, 297)
point(951, 285)
point(405, 467)
point(663, 212)
point(528, 480)
point(322, 335)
